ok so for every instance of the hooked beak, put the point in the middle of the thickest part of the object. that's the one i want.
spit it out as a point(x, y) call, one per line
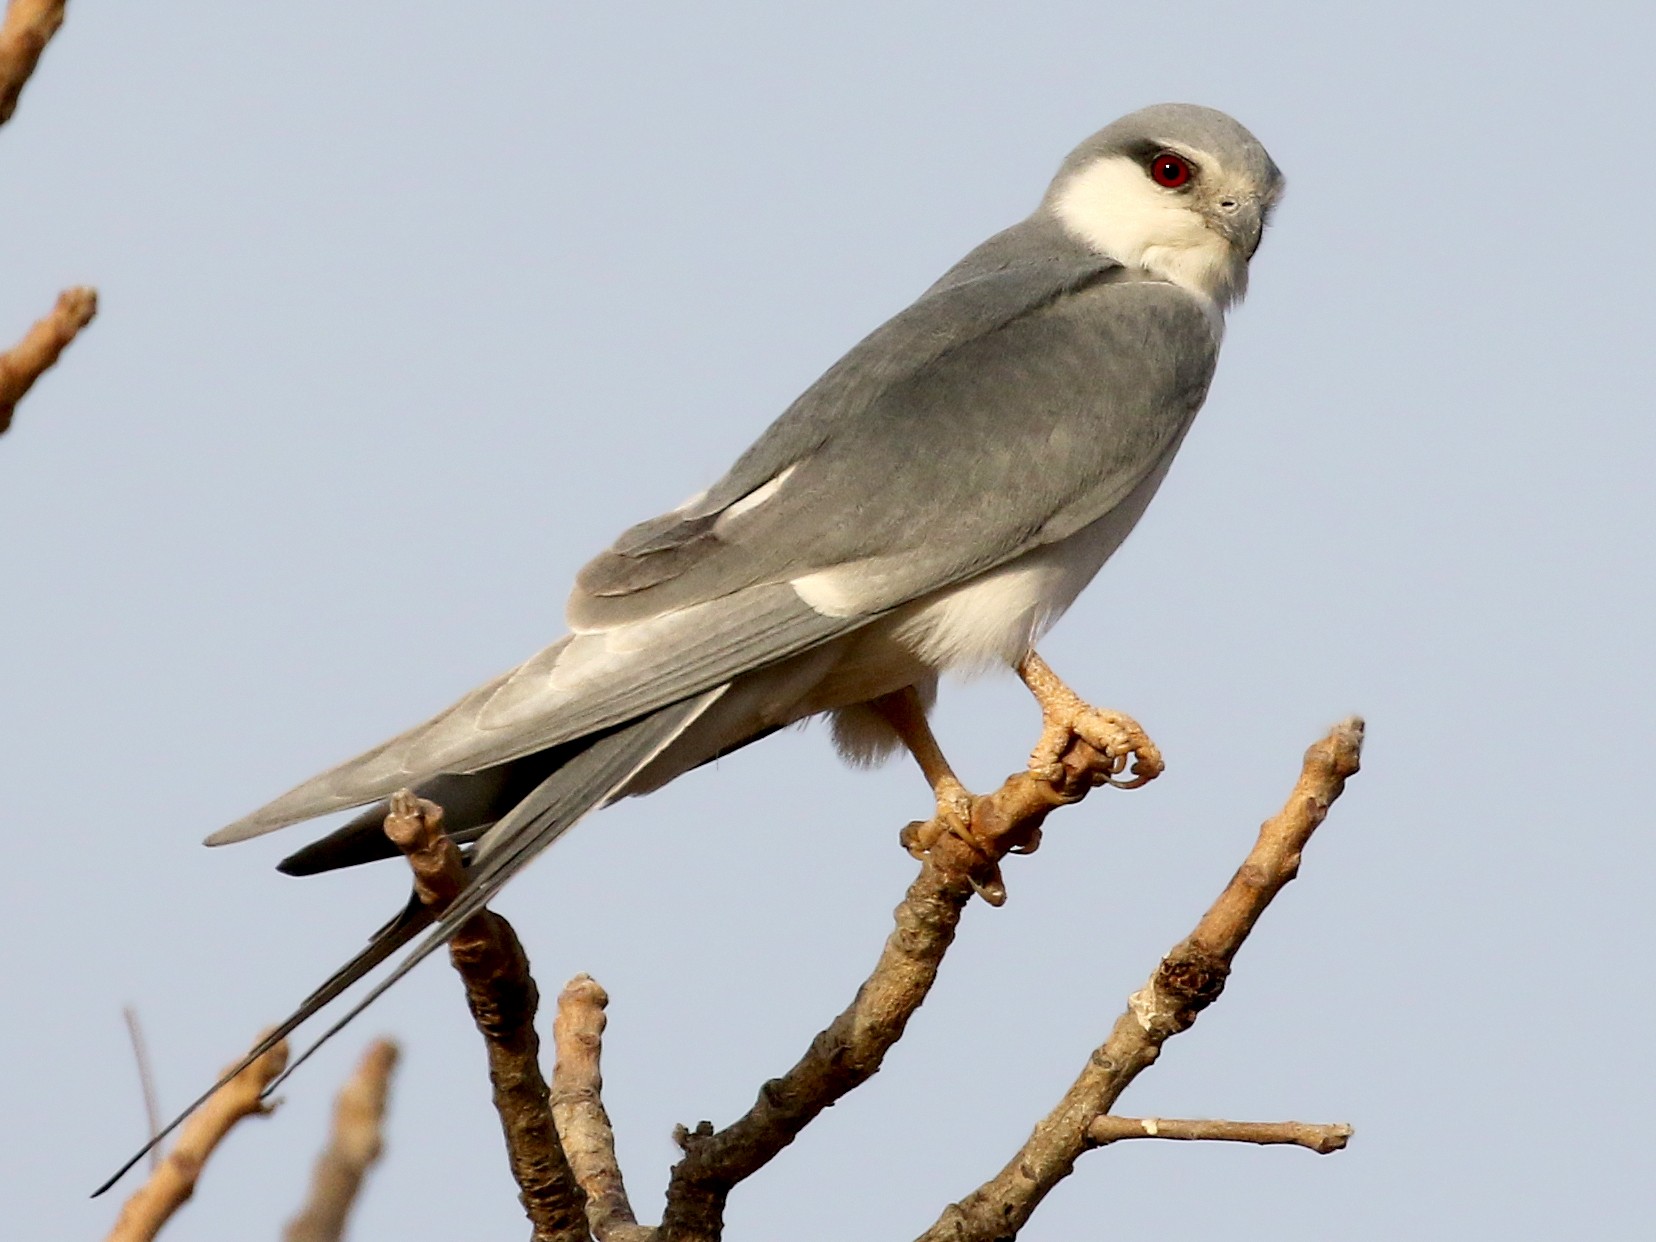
point(1240, 220)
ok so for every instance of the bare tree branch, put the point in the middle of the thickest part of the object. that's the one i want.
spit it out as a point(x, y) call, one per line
point(582, 1196)
point(354, 1145)
point(503, 999)
point(1186, 981)
point(171, 1185)
point(1320, 1139)
point(583, 1123)
point(146, 1079)
point(28, 27)
point(31, 357)
point(851, 1049)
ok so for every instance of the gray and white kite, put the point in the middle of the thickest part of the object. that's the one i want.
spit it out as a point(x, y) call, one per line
point(936, 500)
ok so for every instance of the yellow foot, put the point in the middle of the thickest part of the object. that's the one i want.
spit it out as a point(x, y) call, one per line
point(1128, 758)
point(954, 819)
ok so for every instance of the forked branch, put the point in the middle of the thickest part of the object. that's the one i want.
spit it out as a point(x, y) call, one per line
point(1187, 980)
point(852, 1047)
point(850, 1050)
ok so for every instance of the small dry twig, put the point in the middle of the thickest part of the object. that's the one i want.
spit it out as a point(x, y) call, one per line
point(26, 30)
point(1187, 980)
point(31, 357)
point(503, 999)
point(174, 1181)
point(354, 1145)
point(1320, 1139)
point(851, 1049)
point(146, 1078)
point(583, 1123)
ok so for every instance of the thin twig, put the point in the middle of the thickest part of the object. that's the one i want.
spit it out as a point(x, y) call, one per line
point(28, 27)
point(851, 1049)
point(174, 1181)
point(583, 1123)
point(1320, 1139)
point(1186, 981)
point(31, 357)
point(146, 1079)
point(503, 999)
point(354, 1145)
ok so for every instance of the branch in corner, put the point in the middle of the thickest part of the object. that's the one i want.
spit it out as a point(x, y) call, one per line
point(26, 30)
point(31, 357)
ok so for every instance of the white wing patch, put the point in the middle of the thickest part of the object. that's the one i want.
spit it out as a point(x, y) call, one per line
point(750, 502)
point(848, 590)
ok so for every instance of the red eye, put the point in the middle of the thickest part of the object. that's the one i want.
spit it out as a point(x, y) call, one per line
point(1169, 170)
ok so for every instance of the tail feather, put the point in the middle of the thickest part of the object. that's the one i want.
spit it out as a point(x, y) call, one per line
point(586, 782)
point(472, 803)
point(412, 919)
point(598, 772)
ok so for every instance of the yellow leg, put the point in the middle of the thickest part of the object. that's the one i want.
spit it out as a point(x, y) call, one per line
point(1066, 716)
point(906, 714)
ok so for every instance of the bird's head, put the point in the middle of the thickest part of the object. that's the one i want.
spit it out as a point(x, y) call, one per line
point(1182, 191)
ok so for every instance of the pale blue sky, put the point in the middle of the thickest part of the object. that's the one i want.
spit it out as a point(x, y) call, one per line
point(407, 311)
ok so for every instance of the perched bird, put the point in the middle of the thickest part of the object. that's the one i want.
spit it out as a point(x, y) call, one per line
point(936, 500)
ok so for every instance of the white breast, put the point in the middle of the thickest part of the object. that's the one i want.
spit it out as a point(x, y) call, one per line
point(996, 618)
point(1111, 207)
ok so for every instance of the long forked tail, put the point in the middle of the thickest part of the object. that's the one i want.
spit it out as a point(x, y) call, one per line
point(472, 802)
point(589, 779)
point(381, 945)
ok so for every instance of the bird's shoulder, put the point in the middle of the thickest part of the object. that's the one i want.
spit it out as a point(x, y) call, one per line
point(1029, 299)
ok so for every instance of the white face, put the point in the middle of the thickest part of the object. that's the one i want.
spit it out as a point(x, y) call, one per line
point(1172, 213)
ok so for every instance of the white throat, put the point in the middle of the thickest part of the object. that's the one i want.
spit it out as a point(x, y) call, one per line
point(1112, 207)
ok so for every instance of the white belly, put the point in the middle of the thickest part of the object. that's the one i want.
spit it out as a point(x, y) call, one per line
point(993, 619)
point(996, 618)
